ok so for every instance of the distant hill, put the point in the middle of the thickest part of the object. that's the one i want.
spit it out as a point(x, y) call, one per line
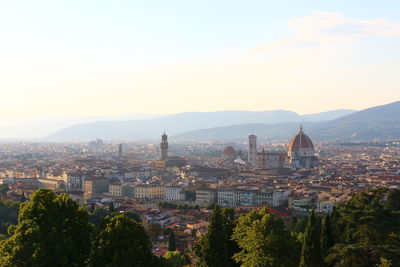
point(183, 122)
point(380, 122)
point(376, 123)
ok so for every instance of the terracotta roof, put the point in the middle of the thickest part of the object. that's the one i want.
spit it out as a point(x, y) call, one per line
point(229, 151)
point(300, 140)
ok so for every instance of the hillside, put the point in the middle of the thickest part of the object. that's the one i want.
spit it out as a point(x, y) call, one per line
point(380, 122)
point(183, 122)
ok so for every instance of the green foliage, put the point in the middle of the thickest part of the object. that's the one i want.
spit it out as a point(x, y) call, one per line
point(52, 231)
point(327, 240)
point(171, 241)
point(264, 241)
point(366, 229)
point(215, 247)
point(3, 190)
point(175, 259)
point(8, 214)
point(311, 253)
point(154, 230)
point(170, 205)
point(97, 216)
point(384, 263)
point(121, 241)
point(298, 225)
point(190, 196)
point(111, 207)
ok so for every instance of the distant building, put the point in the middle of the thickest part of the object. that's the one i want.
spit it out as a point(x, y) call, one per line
point(230, 153)
point(96, 143)
point(301, 151)
point(252, 156)
point(205, 196)
point(270, 160)
point(164, 147)
point(96, 186)
point(174, 194)
point(120, 152)
point(146, 191)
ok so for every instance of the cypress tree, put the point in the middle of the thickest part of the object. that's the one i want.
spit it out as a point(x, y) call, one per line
point(171, 241)
point(311, 254)
point(327, 240)
point(211, 250)
point(111, 207)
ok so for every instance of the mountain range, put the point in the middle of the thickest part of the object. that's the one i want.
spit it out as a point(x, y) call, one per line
point(180, 123)
point(376, 123)
point(380, 122)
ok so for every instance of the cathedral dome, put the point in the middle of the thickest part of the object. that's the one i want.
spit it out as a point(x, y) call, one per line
point(300, 141)
point(229, 151)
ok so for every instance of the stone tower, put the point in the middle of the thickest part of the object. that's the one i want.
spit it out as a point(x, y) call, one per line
point(252, 157)
point(164, 147)
point(120, 152)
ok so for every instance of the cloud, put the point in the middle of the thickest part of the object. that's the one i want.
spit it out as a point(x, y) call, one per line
point(325, 28)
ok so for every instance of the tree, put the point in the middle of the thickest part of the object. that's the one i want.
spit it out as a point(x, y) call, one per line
point(384, 263)
point(121, 241)
point(171, 241)
point(92, 207)
point(8, 215)
point(51, 231)
point(111, 207)
point(3, 190)
point(97, 216)
point(311, 254)
point(327, 240)
point(23, 198)
point(175, 259)
point(264, 241)
point(393, 200)
point(213, 247)
point(154, 230)
point(366, 229)
point(230, 222)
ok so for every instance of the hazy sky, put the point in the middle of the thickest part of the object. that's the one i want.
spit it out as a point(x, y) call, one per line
point(112, 57)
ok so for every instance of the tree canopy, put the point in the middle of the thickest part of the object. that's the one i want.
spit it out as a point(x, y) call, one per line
point(121, 241)
point(215, 248)
point(52, 230)
point(264, 241)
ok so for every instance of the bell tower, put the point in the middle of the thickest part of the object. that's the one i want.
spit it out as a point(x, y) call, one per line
point(164, 147)
point(252, 156)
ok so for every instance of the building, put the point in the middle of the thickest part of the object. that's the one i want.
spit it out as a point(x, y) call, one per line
point(301, 151)
point(96, 186)
point(244, 198)
point(270, 160)
point(146, 191)
point(164, 147)
point(230, 153)
point(226, 198)
point(252, 157)
point(174, 194)
point(115, 189)
point(120, 151)
point(120, 190)
point(264, 198)
point(205, 196)
point(75, 182)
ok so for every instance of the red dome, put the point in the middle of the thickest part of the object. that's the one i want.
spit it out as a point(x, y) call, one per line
point(301, 140)
point(229, 151)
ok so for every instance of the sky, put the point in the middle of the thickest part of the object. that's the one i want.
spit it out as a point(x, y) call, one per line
point(103, 58)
